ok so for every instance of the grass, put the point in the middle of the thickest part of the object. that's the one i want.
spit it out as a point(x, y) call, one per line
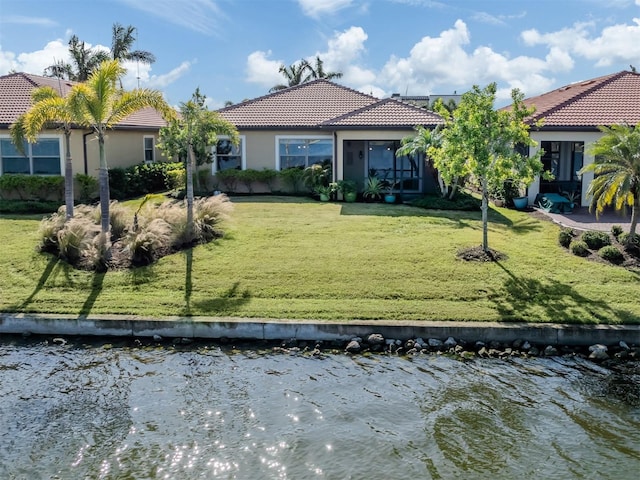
point(286, 257)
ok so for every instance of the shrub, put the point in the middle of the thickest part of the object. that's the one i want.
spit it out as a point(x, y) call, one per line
point(32, 187)
point(248, 178)
point(616, 230)
point(229, 179)
point(579, 248)
point(268, 176)
point(462, 201)
point(176, 178)
point(596, 240)
point(611, 254)
point(98, 253)
point(144, 244)
point(565, 237)
point(631, 243)
point(48, 232)
point(75, 237)
point(28, 206)
point(208, 213)
point(87, 187)
point(118, 188)
point(120, 218)
point(293, 178)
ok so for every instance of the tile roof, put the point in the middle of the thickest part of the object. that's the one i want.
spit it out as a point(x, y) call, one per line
point(305, 106)
point(15, 99)
point(386, 113)
point(606, 100)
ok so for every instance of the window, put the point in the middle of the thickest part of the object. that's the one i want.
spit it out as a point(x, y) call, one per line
point(149, 149)
point(40, 158)
point(303, 151)
point(403, 171)
point(228, 156)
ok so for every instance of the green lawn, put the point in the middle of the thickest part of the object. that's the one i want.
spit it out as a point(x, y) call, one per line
point(299, 259)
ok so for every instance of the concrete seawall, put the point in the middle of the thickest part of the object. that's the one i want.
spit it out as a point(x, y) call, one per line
point(263, 329)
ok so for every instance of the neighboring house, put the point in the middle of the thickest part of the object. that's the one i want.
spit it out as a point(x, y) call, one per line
point(129, 142)
point(571, 116)
point(320, 121)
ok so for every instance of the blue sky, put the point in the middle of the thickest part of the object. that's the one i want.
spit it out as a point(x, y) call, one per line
point(232, 49)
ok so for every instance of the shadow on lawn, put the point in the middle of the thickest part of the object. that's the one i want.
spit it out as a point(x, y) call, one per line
point(46, 273)
point(522, 297)
point(96, 288)
point(228, 301)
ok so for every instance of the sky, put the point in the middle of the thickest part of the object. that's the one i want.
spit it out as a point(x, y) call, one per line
point(232, 49)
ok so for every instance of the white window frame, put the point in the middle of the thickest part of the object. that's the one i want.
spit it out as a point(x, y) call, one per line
point(29, 154)
point(243, 153)
point(153, 148)
point(302, 137)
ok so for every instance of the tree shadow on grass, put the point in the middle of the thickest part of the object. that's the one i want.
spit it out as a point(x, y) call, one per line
point(188, 282)
point(46, 273)
point(521, 299)
point(96, 288)
point(226, 303)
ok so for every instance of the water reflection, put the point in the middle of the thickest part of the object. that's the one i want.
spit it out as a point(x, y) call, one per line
point(102, 411)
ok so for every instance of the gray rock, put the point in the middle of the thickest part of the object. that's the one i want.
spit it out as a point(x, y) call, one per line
point(390, 341)
point(434, 343)
point(598, 354)
point(409, 344)
point(517, 343)
point(450, 342)
point(623, 345)
point(353, 346)
point(550, 351)
point(356, 339)
point(483, 352)
point(525, 346)
point(157, 338)
point(534, 351)
point(421, 342)
point(598, 347)
point(375, 339)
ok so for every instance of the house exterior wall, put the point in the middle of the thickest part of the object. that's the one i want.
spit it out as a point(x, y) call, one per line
point(261, 146)
point(122, 148)
point(565, 136)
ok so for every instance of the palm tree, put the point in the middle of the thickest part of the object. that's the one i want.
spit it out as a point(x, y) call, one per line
point(294, 74)
point(617, 171)
point(317, 71)
point(84, 61)
point(48, 107)
point(121, 42)
point(99, 104)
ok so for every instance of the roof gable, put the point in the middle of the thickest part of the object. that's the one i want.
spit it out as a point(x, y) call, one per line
point(608, 100)
point(306, 105)
point(387, 113)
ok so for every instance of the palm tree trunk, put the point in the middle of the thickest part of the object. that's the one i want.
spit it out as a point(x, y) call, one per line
point(103, 178)
point(68, 177)
point(190, 191)
point(635, 212)
point(485, 220)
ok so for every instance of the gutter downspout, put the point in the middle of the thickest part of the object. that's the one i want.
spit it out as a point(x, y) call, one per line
point(335, 157)
point(84, 151)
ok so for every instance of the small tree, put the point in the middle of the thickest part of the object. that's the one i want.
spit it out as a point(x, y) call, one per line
point(196, 130)
point(482, 142)
point(617, 170)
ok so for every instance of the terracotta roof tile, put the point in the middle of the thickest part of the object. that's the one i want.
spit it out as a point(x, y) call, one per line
point(386, 113)
point(15, 99)
point(607, 100)
point(306, 105)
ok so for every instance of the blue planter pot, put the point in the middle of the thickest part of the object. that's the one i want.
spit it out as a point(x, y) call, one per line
point(520, 203)
point(390, 198)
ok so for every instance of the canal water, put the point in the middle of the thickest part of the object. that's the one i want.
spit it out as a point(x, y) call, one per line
point(80, 411)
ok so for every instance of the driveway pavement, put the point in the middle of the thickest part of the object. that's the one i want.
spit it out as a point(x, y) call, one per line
point(581, 219)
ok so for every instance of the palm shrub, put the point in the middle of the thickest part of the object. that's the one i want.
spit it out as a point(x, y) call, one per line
point(566, 236)
point(579, 248)
point(97, 254)
point(611, 254)
point(48, 231)
point(120, 220)
point(596, 240)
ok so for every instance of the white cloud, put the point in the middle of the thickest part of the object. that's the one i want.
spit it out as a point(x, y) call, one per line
point(33, 62)
point(615, 44)
point(263, 71)
point(202, 16)
point(315, 8)
point(130, 80)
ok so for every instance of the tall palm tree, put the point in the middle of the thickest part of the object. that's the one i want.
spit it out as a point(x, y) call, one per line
point(317, 71)
point(294, 75)
point(99, 104)
point(617, 171)
point(122, 40)
point(48, 107)
point(84, 60)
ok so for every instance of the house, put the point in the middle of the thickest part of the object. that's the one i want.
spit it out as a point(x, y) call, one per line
point(132, 141)
point(571, 116)
point(321, 121)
